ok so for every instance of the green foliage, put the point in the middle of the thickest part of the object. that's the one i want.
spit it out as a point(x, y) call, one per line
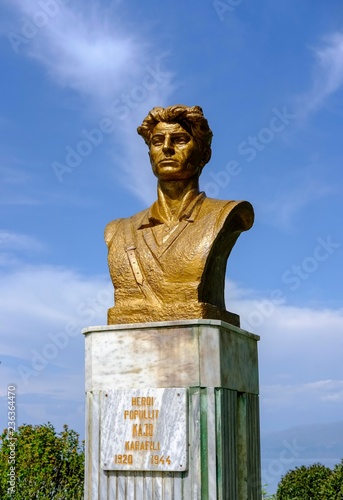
point(43, 465)
point(315, 482)
point(334, 486)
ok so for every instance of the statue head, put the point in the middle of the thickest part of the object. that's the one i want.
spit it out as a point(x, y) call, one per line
point(191, 119)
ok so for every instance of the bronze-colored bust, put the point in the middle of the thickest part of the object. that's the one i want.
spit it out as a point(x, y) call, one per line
point(168, 262)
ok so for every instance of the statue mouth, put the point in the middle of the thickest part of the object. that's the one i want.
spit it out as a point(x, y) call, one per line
point(168, 161)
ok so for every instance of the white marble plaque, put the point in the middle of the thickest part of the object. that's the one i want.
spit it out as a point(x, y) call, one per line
point(144, 430)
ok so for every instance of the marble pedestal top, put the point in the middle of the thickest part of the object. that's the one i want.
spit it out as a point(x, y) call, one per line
point(192, 353)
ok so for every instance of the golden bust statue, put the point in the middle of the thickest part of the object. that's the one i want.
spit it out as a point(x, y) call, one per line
point(168, 262)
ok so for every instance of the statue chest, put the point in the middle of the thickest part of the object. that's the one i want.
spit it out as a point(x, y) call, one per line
point(161, 254)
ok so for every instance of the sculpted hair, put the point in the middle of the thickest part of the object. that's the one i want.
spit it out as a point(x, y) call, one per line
point(190, 118)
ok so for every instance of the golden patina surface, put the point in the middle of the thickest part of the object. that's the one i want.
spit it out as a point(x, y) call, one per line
point(168, 262)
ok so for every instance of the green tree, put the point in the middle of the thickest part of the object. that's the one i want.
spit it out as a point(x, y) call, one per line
point(38, 464)
point(333, 488)
point(306, 483)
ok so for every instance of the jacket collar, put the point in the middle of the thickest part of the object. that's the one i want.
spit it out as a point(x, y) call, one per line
point(154, 215)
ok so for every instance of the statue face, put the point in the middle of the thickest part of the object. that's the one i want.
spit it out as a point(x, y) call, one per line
point(174, 155)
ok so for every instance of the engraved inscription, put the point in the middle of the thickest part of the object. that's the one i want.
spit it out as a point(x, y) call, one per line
point(123, 459)
point(141, 429)
point(142, 445)
point(144, 430)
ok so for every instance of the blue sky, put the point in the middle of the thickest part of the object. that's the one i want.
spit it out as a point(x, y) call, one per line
point(77, 80)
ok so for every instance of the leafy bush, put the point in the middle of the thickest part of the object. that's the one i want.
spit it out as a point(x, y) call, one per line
point(306, 483)
point(41, 464)
point(334, 486)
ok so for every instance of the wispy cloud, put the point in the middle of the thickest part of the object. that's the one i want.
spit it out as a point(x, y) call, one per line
point(326, 392)
point(13, 246)
point(16, 178)
point(83, 47)
point(38, 300)
point(10, 240)
point(43, 309)
point(299, 356)
point(286, 204)
point(327, 74)
point(12, 175)
point(118, 75)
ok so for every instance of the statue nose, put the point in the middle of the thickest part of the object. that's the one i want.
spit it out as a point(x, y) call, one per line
point(167, 146)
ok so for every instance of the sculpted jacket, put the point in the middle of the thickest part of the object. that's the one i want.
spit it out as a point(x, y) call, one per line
point(163, 272)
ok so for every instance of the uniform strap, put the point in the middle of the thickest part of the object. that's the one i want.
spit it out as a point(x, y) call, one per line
point(130, 249)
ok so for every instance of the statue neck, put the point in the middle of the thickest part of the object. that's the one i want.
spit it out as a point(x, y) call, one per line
point(173, 196)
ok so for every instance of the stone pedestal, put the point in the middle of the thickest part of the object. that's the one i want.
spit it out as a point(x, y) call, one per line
point(210, 372)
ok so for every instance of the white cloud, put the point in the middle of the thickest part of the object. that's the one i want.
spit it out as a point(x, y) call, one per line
point(286, 205)
point(286, 405)
point(88, 49)
point(42, 300)
point(15, 241)
point(43, 310)
point(300, 352)
point(15, 182)
point(14, 245)
point(320, 391)
point(12, 175)
point(327, 74)
point(88, 56)
point(84, 47)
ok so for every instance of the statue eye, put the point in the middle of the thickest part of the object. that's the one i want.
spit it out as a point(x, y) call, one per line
point(157, 141)
point(181, 140)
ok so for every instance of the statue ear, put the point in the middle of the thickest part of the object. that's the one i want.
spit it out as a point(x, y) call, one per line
point(207, 157)
point(203, 162)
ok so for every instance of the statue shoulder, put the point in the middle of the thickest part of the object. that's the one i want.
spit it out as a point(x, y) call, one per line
point(116, 225)
point(111, 230)
point(239, 214)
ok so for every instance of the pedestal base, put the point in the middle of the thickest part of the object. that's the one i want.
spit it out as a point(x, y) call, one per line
point(217, 364)
point(178, 311)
